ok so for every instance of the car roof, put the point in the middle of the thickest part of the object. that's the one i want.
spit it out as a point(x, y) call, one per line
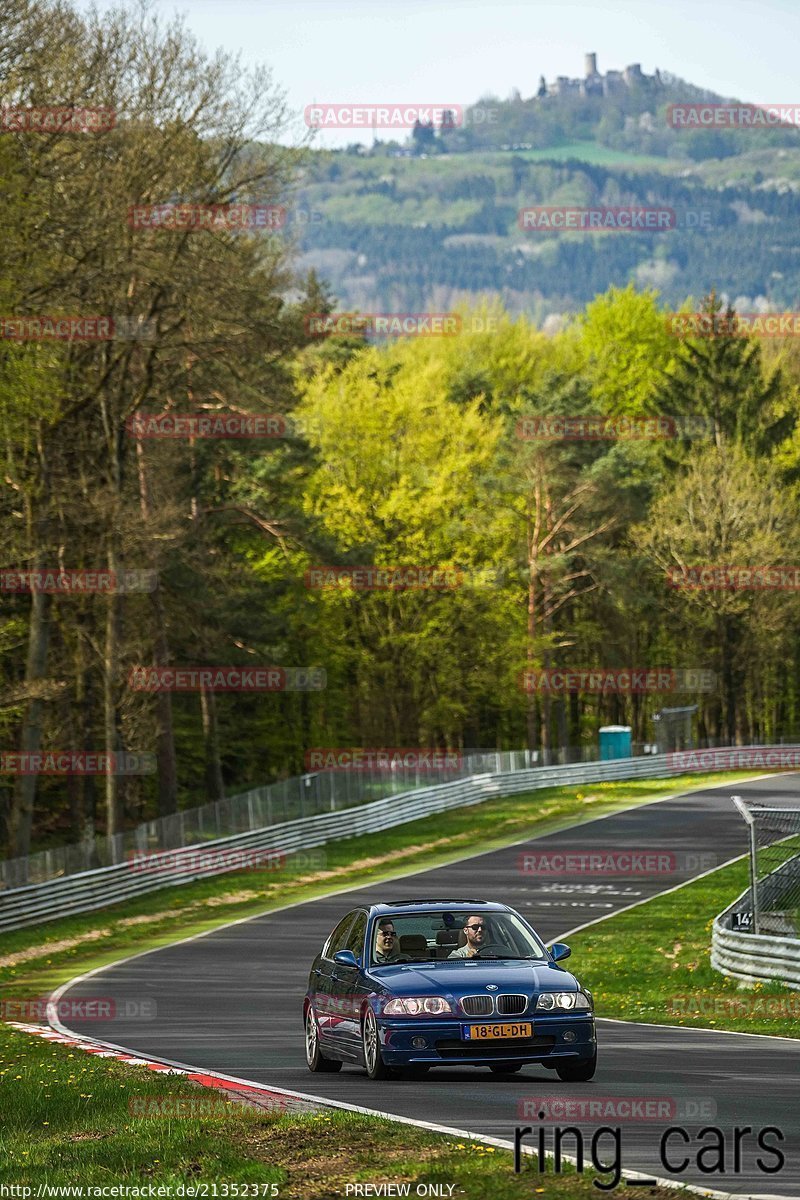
point(389, 908)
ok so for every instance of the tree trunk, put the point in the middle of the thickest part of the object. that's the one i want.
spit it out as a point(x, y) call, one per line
point(215, 788)
point(532, 706)
point(110, 677)
point(729, 685)
point(24, 794)
point(165, 752)
point(167, 762)
point(575, 724)
point(561, 725)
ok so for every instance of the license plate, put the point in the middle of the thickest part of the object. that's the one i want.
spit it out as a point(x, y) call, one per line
point(519, 1029)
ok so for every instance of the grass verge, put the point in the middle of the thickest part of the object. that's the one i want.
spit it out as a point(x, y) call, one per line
point(35, 961)
point(72, 1120)
point(653, 963)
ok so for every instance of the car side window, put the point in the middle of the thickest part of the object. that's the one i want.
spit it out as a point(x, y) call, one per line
point(356, 935)
point(338, 939)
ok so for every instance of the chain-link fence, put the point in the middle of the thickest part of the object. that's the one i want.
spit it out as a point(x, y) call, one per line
point(288, 799)
point(772, 904)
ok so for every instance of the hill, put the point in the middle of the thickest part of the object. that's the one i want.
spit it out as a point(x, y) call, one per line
point(434, 220)
point(409, 234)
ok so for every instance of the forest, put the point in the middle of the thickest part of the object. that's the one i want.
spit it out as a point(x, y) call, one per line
point(561, 553)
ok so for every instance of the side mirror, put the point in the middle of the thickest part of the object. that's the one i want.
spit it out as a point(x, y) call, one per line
point(559, 950)
point(345, 958)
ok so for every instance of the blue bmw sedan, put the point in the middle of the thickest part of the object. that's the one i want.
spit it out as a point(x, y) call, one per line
point(421, 983)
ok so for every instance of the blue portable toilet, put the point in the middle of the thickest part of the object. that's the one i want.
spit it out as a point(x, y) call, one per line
point(615, 741)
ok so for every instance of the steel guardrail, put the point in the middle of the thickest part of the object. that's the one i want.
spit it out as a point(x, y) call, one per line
point(72, 894)
point(753, 957)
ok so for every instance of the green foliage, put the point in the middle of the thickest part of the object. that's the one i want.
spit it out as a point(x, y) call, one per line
point(628, 351)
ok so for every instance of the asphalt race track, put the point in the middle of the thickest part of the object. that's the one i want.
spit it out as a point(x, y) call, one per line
point(231, 1001)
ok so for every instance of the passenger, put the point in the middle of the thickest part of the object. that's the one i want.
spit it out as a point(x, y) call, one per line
point(387, 949)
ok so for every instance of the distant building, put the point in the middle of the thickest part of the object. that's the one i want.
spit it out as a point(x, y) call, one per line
point(595, 84)
point(564, 86)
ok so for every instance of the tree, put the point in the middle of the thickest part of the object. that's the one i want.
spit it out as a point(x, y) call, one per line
point(719, 378)
point(627, 349)
point(553, 511)
point(396, 485)
point(193, 127)
point(725, 511)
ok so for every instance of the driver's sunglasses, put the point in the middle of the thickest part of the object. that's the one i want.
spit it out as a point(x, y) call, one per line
point(475, 928)
point(388, 933)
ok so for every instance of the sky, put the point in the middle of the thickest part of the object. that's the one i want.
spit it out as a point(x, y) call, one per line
point(459, 51)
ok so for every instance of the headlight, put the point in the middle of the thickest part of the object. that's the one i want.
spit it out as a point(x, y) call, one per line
point(417, 1006)
point(562, 1002)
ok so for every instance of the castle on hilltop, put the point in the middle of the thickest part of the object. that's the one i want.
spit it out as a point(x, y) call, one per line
point(595, 84)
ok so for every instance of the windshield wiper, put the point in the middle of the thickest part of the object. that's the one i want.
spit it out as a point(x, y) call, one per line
point(513, 957)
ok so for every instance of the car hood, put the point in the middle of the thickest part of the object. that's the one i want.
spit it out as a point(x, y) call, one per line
point(464, 976)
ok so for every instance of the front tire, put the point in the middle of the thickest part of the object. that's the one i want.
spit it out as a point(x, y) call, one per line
point(371, 1046)
point(315, 1060)
point(579, 1072)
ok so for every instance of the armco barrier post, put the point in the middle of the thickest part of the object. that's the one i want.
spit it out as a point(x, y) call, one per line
point(751, 825)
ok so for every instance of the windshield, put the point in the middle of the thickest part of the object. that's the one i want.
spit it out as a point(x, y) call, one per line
point(439, 936)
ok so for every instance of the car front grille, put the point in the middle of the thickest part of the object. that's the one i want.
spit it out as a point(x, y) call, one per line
point(511, 1004)
point(477, 1006)
point(536, 1047)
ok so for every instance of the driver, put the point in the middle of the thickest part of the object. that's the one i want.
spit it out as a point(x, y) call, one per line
point(475, 933)
point(387, 949)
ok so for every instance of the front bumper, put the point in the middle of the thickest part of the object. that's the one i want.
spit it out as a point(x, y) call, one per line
point(555, 1037)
